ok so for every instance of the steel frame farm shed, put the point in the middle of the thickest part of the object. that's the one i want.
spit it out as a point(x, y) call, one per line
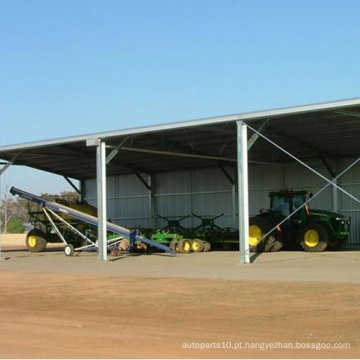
point(313, 146)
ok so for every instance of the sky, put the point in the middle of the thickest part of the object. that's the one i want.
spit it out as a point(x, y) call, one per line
point(70, 67)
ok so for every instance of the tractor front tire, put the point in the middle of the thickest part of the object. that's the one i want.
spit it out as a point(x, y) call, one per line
point(313, 237)
point(35, 241)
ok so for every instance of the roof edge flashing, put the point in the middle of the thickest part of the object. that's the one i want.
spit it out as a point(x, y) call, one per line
point(302, 109)
point(247, 117)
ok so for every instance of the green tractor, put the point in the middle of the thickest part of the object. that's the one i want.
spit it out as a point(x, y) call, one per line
point(314, 230)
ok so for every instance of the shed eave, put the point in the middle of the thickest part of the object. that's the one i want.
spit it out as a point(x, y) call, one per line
point(247, 117)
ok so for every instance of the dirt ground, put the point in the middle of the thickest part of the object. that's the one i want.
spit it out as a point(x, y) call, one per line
point(50, 308)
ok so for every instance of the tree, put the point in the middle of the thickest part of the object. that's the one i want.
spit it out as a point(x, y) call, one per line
point(63, 197)
point(15, 226)
point(16, 207)
point(12, 207)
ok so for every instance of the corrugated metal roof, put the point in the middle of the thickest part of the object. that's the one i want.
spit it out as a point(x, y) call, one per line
point(247, 116)
point(328, 130)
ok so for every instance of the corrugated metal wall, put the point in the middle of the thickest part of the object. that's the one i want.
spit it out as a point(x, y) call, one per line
point(203, 192)
point(208, 192)
point(127, 200)
point(262, 180)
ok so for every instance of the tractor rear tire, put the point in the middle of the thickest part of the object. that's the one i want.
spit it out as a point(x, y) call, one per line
point(35, 241)
point(258, 227)
point(272, 244)
point(197, 245)
point(184, 246)
point(313, 237)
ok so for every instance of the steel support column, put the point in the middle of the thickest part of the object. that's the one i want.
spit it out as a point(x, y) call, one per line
point(101, 198)
point(243, 192)
point(234, 201)
point(233, 206)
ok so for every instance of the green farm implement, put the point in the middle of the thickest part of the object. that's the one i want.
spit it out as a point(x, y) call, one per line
point(179, 238)
point(201, 238)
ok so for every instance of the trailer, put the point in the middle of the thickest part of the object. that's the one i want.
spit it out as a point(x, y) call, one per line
point(58, 214)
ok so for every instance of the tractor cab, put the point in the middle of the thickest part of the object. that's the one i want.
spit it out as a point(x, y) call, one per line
point(286, 201)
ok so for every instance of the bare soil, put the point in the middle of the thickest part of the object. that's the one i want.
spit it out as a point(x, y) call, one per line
point(77, 314)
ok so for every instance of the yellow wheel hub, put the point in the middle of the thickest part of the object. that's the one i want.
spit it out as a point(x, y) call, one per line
point(195, 246)
point(32, 241)
point(255, 235)
point(187, 246)
point(311, 238)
